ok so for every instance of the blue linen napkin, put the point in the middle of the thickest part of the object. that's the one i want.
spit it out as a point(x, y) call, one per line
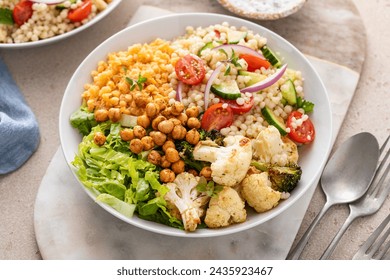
point(19, 131)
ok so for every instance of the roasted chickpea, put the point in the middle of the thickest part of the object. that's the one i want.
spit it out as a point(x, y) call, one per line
point(165, 126)
point(164, 163)
point(168, 144)
point(154, 157)
point(178, 166)
point(172, 155)
point(193, 123)
point(192, 112)
point(175, 121)
point(101, 115)
point(166, 112)
point(99, 138)
point(182, 118)
point(157, 121)
point(151, 110)
point(167, 176)
point(161, 103)
point(193, 172)
point(114, 114)
point(143, 121)
point(141, 99)
point(177, 108)
point(136, 146)
point(193, 136)
point(179, 132)
point(206, 172)
point(135, 110)
point(127, 134)
point(139, 131)
point(147, 143)
point(159, 138)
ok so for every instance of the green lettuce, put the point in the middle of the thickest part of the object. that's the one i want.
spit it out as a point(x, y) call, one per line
point(122, 180)
point(83, 120)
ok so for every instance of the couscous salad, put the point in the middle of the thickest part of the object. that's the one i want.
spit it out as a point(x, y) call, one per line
point(29, 21)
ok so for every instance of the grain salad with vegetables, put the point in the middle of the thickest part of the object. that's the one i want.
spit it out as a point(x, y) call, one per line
point(29, 21)
point(195, 131)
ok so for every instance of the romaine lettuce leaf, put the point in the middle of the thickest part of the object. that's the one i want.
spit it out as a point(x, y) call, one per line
point(119, 205)
point(122, 179)
point(83, 120)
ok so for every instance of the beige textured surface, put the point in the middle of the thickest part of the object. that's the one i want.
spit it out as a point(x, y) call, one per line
point(369, 111)
point(42, 75)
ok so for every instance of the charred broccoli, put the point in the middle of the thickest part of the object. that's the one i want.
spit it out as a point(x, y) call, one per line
point(213, 134)
point(186, 150)
point(283, 178)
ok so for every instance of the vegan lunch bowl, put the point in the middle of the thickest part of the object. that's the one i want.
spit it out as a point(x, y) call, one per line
point(25, 23)
point(195, 130)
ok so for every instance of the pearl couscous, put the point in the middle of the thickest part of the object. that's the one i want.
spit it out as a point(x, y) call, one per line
point(43, 20)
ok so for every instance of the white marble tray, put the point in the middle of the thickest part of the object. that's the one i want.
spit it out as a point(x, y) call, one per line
point(69, 225)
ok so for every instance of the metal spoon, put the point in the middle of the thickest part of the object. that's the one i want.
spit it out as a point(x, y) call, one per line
point(346, 178)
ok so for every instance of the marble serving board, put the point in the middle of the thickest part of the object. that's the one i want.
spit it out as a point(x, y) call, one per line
point(69, 225)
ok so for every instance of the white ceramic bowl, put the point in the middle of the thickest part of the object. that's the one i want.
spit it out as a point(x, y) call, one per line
point(312, 157)
point(60, 37)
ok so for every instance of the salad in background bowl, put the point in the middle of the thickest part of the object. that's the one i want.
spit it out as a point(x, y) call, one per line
point(25, 23)
point(192, 130)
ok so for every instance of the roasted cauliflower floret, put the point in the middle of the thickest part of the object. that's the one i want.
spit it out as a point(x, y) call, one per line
point(257, 191)
point(185, 198)
point(229, 163)
point(226, 208)
point(270, 147)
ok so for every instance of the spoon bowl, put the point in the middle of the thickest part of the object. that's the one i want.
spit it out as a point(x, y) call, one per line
point(346, 177)
point(350, 170)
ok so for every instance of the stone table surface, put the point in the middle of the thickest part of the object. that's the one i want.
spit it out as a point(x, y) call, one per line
point(362, 45)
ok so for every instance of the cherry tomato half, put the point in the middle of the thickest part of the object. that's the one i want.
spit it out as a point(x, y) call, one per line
point(22, 12)
point(217, 117)
point(255, 62)
point(239, 109)
point(190, 69)
point(304, 133)
point(82, 12)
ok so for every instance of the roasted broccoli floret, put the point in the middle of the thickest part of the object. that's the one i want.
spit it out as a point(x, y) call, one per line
point(186, 150)
point(213, 134)
point(283, 178)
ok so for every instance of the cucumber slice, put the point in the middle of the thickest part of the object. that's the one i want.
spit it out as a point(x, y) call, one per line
point(289, 93)
point(254, 77)
point(235, 36)
point(227, 90)
point(274, 120)
point(271, 56)
point(61, 6)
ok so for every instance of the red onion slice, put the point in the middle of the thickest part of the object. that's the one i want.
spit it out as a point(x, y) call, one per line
point(179, 91)
point(267, 82)
point(239, 49)
point(213, 76)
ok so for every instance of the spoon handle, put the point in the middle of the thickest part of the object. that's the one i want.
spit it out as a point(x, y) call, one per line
point(329, 250)
point(297, 251)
